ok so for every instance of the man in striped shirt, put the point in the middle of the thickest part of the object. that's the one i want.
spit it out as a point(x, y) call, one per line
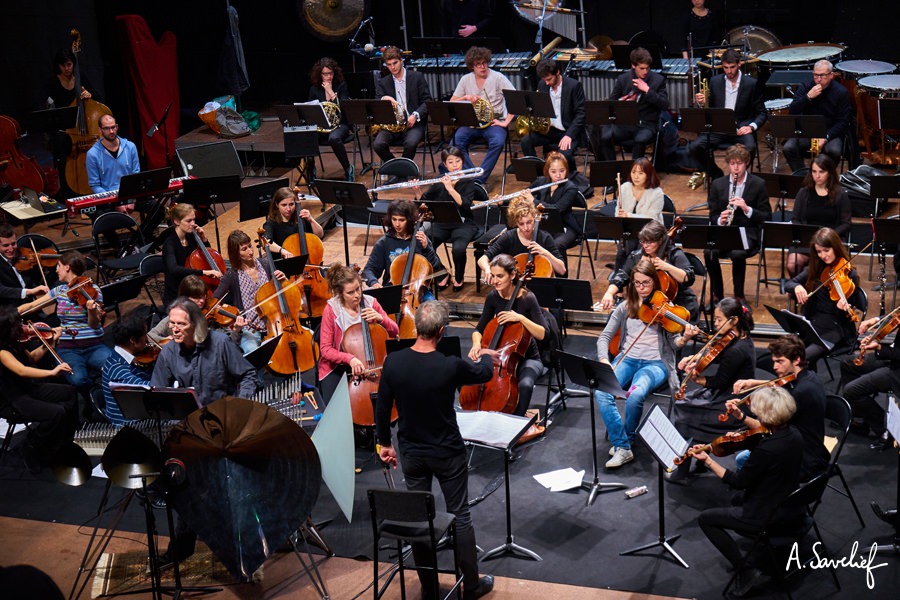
point(130, 337)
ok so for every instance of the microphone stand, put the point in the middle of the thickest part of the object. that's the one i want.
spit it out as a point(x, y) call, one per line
point(162, 123)
point(539, 39)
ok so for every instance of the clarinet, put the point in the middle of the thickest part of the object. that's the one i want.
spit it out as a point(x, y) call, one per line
point(882, 259)
point(730, 197)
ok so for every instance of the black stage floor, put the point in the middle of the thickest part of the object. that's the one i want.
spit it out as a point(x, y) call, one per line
point(579, 544)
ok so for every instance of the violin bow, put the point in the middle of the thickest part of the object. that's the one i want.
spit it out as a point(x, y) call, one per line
point(283, 289)
point(699, 355)
point(38, 261)
point(638, 336)
point(45, 343)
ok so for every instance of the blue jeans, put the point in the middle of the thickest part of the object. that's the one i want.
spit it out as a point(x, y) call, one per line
point(639, 378)
point(494, 136)
point(80, 359)
point(741, 458)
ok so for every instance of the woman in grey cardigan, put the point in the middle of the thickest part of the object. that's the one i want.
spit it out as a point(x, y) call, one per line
point(650, 362)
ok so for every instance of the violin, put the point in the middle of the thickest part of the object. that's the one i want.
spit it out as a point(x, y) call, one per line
point(86, 130)
point(314, 286)
point(205, 259)
point(511, 340)
point(27, 259)
point(836, 278)
point(658, 309)
point(713, 348)
point(727, 445)
point(18, 170)
point(541, 266)
point(33, 327)
point(82, 290)
point(884, 327)
point(777, 382)
point(411, 270)
point(146, 358)
point(282, 307)
point(220, 313)
point(33, 330)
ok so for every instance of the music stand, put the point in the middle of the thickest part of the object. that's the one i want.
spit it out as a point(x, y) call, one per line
point(782, 186)
point(796, 126)
point(529, 104)
point(444, 212)
point(365, 113)
point(344, 194)
point(715, 237)
point(260, 356)
point(787, 236)
point(210, 160)
point(254, 203)
point(527, 169)
point(390, 297)
point(312, 113)
point(121, 290)
point(611, 112)
point(302, 143)
point(666, 444)
point(799, 325)
point(707, 121)
point(205, 192)
point(460, 113)
point(593, 375)
point(53, 119)
point(291, 266)
point(603, 173)
point(885, 231)
point(499, 431)
point(883, 187)
point(618, 228)
point(786, 79)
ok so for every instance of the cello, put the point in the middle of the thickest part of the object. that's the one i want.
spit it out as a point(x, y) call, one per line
point(541, 267)
point(282, 309)
point(411, 270)
point(314, 286)
point(16, 169)
point(367, 342)
point(668, 285)
point(511, 340)
point(86, 130)
point(205, 259)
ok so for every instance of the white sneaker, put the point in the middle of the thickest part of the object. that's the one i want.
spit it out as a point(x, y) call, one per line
point(620, 457)
point(612, 450)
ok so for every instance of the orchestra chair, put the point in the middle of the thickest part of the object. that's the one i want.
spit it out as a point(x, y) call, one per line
point(584, 250)
point(407, 516)
point(116, 224)
point(838, 415)
point(774, 535)
point(555, 376)
point(396, 167)
point(13, 419)
point(481, 195)
point(150, 268)
point(841, 350)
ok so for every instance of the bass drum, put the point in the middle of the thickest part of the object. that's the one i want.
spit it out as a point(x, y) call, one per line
point(754, 39)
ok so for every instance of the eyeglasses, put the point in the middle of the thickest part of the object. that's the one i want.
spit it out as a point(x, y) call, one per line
point(110, 128)
point(648, 242)
point(820, 75)
point(178, 326)
point(643, 284)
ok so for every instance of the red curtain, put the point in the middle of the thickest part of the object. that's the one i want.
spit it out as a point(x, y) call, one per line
point(154, 77)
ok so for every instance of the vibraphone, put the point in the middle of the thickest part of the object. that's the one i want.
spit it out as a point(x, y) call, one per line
point(449, 69)
point(599, 76)
point(284, 396)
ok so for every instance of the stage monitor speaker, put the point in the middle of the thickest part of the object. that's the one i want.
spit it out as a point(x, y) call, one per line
point(218, 159)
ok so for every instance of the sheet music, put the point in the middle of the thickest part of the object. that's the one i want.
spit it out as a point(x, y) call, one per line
point(744, 241)
point(494, 429)
point(893, 418)
point(561, 479)
point(662, 438)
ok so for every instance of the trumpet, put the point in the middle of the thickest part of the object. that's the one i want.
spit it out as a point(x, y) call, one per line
point(813, 147)
point(512, 195)
point(455, 176)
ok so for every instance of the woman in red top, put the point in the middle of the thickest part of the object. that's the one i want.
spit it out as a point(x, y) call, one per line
point(346, 307)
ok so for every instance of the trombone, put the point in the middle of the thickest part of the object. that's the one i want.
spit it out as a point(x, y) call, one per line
point(455, 176)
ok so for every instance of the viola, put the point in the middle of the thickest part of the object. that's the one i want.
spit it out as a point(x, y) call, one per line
point(81, 290)
point(367, 342)
point(412, 271)
point(713, 348)
point(220, 313)
point(282, 307)
point(205, 259)
point(541, 266)
point(27, 259)
point(511, 340)
point(840, 286)
point(883, 328)
point(18, 170)
point(727, 445)
point(86, 130)
point(314, 285)
point(777, 382)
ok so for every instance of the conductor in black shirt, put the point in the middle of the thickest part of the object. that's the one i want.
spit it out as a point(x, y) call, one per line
point(428, 435)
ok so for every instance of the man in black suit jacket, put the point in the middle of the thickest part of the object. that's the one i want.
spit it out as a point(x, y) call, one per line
point(821, 97)
point(567, 96)
point(14, 286)
point(740, 198)
point(410, 90)
point(731, 89)
point(648, 89)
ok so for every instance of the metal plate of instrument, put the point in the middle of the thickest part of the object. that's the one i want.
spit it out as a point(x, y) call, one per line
point(799, 56)
point(331, 20)
point(130, 457)
point(531, 10)
point(754, 39)
point(250, 478)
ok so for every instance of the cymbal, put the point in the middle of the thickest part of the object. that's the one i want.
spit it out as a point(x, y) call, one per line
point(129, 457)
point(246, 478)
point(72, 465)
point(332, 19)
point(602, 43)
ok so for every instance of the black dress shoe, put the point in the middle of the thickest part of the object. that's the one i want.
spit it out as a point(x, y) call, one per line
point(485, 587)
point(882, 443)
point(746, 580)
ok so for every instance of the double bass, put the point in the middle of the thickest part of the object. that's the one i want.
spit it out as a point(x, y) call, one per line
point(541, 267)
point(411, 270)
point(511, 340)
point(281, 307)
point(16, 169)
point(86, 130)
point(314, 286)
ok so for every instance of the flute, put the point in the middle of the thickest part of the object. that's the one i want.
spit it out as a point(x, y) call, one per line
point(512, 195)
point(455, 176)
point(618, 193)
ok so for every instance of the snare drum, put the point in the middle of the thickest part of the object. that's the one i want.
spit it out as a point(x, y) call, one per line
point(778, 106)
point(800, 56)
point(881, 86)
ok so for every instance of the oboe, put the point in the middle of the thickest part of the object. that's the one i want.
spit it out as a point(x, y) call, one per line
point(730, 217)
